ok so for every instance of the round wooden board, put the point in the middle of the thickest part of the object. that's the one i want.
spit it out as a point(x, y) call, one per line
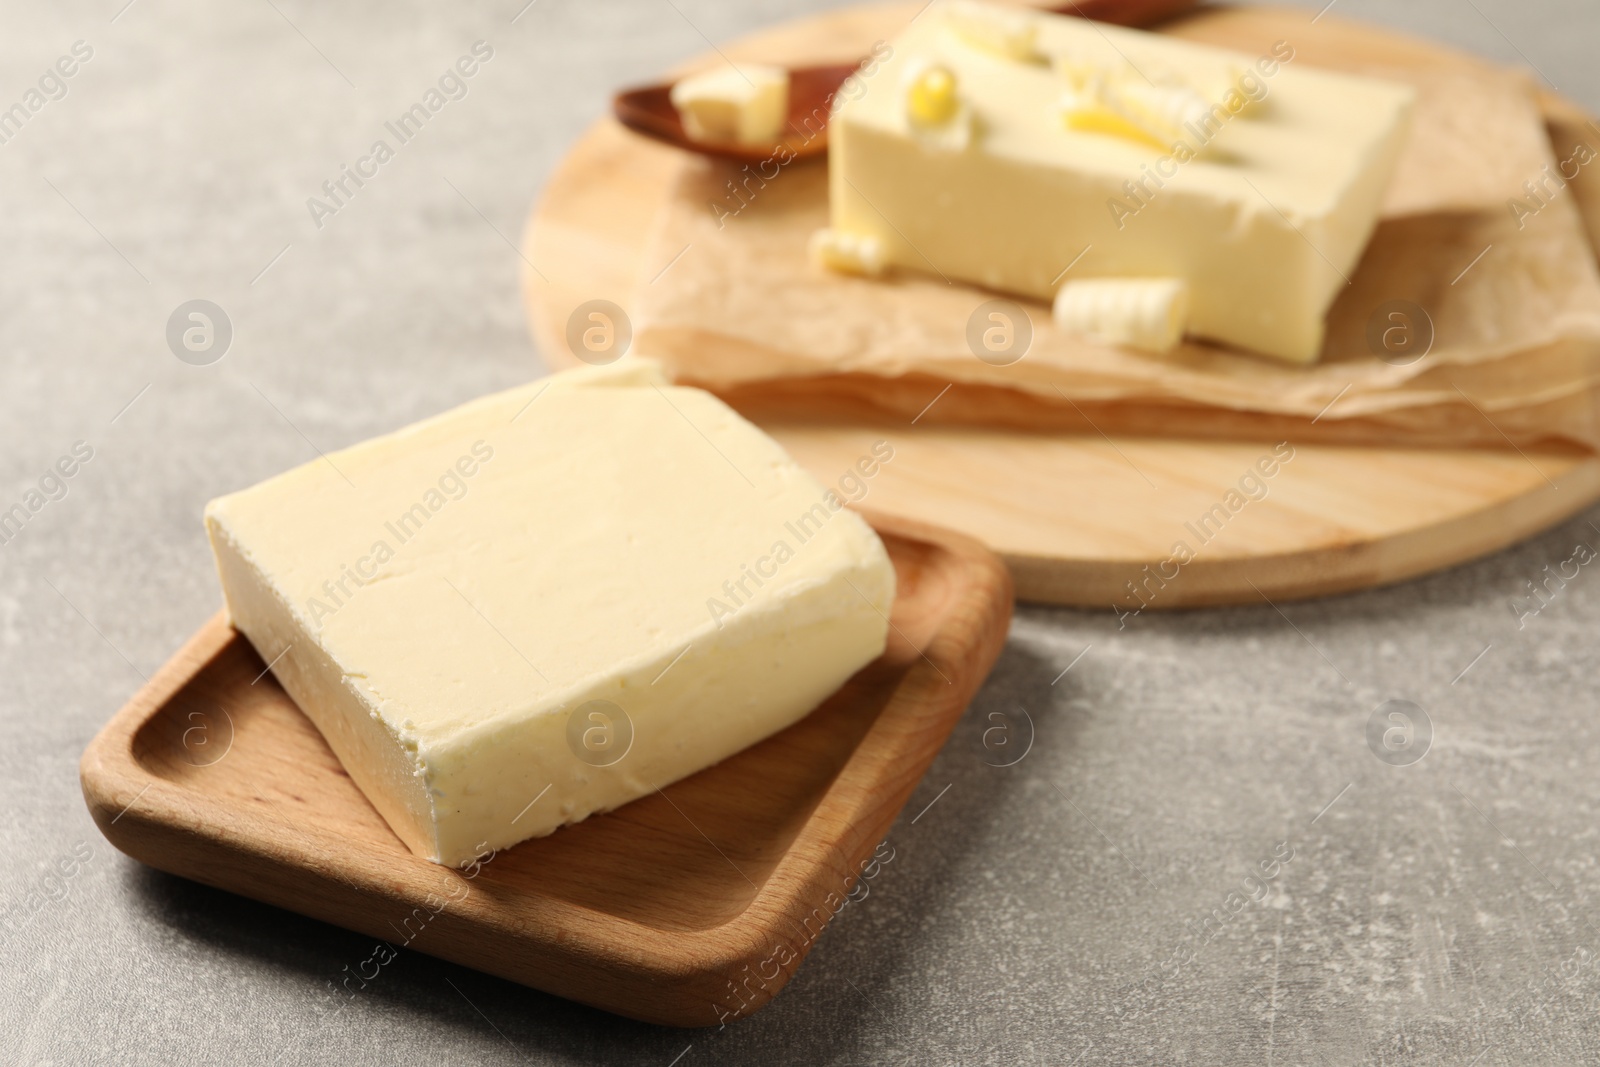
point(1077, 518)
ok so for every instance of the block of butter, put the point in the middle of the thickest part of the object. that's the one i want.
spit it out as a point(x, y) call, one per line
point(744, 105)
point(1253, 180)
point(550, 601)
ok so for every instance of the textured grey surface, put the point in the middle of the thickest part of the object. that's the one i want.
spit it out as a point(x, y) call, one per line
point(1053, 912)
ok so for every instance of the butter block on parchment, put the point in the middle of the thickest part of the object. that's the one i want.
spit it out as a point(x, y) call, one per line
point(1511, 296)
point(1120, 154)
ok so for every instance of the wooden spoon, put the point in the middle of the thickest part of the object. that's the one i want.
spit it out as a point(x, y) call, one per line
point(648, 109)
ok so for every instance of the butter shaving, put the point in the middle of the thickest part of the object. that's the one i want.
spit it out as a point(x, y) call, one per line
point(847, 253)
point(1008, 34)
point(1143, 313)
point(936, 112)
point(1120, 101)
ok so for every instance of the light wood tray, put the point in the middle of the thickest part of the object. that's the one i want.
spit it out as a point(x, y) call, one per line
point(1078, 517)
point(686, 908)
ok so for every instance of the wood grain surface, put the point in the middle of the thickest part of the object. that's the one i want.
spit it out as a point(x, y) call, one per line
point(690, 907)
point(1085, 517)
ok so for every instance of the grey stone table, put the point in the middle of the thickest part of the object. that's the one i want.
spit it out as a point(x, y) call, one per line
point(1088, 905)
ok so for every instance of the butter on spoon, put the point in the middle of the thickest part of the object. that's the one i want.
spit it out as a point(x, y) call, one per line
point(744, 105)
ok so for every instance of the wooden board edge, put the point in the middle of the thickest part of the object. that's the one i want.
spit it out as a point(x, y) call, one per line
point(1315, 572)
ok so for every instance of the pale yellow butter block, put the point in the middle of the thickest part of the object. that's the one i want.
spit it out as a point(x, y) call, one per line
point(550, 601)
point(1261, 208)
point(744, 105)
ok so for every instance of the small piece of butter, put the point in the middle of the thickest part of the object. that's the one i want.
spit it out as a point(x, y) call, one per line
point(739, 105)
point(931, 97)
point(847, 253)
point(1120, 101)
point(1165, 111)
point(1145, 313)
point(1009, 34)
point(936, 113)
point(550, 601)
point(1086, 111)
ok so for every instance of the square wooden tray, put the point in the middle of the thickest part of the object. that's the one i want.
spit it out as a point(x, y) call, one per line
point(691, 907)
